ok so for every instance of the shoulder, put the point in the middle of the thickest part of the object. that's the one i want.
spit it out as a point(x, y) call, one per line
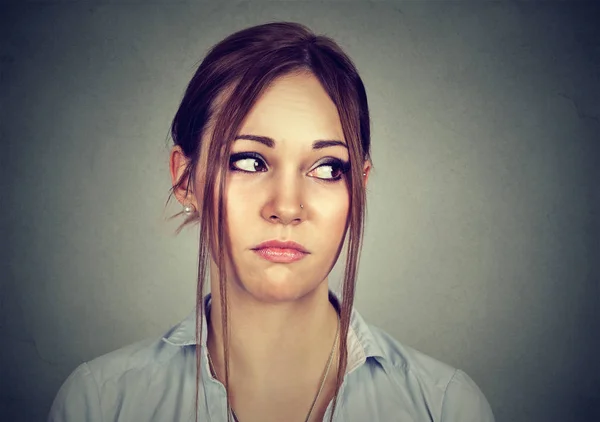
point(464, 401)
point(403, 356)
point(107, 377)
point(450, 393)
point(132, 358)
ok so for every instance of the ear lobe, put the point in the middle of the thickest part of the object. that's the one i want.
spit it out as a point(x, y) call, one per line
point(366, 172)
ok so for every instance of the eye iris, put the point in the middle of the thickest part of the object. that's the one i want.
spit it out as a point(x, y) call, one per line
point(335, 169)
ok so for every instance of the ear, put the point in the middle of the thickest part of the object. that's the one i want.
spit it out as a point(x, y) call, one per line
point(177, 165)
point(366, 171)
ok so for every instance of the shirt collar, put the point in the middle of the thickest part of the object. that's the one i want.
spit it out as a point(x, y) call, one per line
point(361, 341)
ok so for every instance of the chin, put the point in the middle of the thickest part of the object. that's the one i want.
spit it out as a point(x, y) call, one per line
point(274, 288)
point(277, 282)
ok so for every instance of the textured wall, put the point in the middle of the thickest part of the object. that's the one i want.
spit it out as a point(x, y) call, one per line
point(482, 238)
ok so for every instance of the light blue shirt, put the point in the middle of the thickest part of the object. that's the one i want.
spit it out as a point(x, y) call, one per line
point(154, 380)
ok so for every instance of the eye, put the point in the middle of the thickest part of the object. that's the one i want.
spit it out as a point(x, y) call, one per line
point(332, 170)
point(247, 162)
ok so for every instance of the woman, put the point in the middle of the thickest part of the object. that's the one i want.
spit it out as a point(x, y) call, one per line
point(272, 159)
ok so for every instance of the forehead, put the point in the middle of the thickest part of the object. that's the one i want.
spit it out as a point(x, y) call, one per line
point(294, 108)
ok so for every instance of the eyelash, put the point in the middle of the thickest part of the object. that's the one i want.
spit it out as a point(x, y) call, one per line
point(343, 166)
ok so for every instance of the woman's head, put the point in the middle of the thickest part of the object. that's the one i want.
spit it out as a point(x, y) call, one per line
point(276, 82)
point(276, 164)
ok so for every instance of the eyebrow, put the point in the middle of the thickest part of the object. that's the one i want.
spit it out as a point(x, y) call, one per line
point(269, 142)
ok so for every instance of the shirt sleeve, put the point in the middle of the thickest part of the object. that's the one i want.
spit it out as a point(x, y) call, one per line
point(464, 401)
point(77, 399)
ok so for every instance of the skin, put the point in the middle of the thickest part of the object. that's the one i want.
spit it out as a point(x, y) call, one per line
point(282, 323)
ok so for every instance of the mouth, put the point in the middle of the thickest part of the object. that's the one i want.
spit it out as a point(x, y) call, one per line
point(280, 255)
point(282, 252)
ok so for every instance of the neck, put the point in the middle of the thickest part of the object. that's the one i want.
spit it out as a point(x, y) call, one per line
point(273, 344)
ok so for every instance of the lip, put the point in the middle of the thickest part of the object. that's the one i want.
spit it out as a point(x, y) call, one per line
point(278, 244)
point(280, 255)
point(282, 252)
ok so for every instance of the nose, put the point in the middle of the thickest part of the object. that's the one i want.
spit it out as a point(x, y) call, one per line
point(283, 206)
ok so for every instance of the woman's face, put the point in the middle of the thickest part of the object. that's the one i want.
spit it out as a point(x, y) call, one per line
point(267, 183)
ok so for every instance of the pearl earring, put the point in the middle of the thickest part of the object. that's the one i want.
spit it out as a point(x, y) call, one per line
point(189, 209)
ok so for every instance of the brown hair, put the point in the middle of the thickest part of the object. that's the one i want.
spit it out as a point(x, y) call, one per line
point(243, 65)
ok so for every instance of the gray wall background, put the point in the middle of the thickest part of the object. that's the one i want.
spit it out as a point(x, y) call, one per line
point(482, 237)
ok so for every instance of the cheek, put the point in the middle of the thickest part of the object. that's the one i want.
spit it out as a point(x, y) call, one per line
point(331, 216)
point(238, 218)
point(240, 205)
